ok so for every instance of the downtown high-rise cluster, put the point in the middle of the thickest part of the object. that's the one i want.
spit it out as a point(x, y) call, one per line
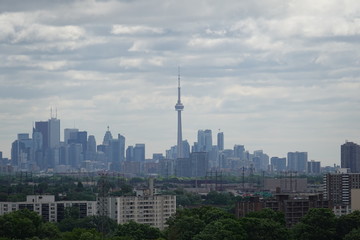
point(44, 151)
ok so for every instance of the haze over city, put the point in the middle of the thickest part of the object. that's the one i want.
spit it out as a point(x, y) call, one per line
point(273, 75)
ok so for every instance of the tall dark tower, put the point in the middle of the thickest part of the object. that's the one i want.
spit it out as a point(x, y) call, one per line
point(350, 156)
point(179, 107)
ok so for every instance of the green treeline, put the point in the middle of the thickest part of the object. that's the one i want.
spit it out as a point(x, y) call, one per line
point(204, 223)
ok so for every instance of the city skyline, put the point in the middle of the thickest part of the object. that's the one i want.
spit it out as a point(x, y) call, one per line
point(276, 76)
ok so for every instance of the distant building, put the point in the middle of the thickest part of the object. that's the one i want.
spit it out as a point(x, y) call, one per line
point(260, 160)
point(166, 167)
point(286, 183)
point(200, 144)
point(130, 154)
point(239, 151)
point(297, 161)
point(116, 152)
point(278, 164)
point(132, 167)
point(79, 137)
point(314, 167)
point(204, 141)
point(54, 132)
point(157, 156)
point(22, 152)
point(350, 156)
point(139, 152)
point(91, 148)
point(220, 141)
point(151, 168)
point(75, 155)
point(199, 164)
point(68, 134)
point(183, 167)
point(107, 137)
point(195, 166)
point(43, 128)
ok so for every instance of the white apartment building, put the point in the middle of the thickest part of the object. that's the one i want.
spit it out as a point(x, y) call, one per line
point(48, 208)
point(146, 208)
point(153, 210)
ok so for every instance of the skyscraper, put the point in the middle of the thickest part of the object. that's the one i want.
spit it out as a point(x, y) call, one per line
point(54, 132)
point(239, 151)
point(67, 133)
point(350, 156)
point(139, 152)
point(91, 144)
point(179, 107)
point(200, 147)
point(204, 141)
point(297, 161)
point(116, 152)
point(130, 153)
point(208, 140)
point(220, 141)
point(314, 167)
point(278, 164)
point(43, 128)
point(107, 137)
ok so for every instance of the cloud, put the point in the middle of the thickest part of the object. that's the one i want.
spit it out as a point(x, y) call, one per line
point(271, 74)
point(122, 29)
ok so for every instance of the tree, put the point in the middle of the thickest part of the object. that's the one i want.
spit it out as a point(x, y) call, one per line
point(102, 224)
point(81, 234)
point(49, 230)
point(20, 224)
point(264, 229)
point(185, 228)
point(137, 231)
point(269, 214)
point(347, 223)
point(317, 224)
point(229, 229)
point(353, 235)
point(189, 222)
point(217, 198)
point(210, 214)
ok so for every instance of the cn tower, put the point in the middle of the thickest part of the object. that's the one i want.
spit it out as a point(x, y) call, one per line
point(179, 107)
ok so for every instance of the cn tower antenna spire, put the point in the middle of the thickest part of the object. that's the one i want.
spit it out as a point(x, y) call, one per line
point(179, 107)
point(179, 87)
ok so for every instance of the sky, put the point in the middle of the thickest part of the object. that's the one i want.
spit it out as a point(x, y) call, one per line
point(276, 75)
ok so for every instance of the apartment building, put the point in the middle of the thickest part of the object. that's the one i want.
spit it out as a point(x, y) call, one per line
point(48, 208)
point(294, 207)
point(146, 207)
point(338, 188)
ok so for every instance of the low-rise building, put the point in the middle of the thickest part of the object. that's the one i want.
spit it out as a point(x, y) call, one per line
point(286, 184)
point(293, 207)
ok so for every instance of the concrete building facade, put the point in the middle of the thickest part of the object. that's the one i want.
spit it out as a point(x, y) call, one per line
point(48, 208)
point(294, 208)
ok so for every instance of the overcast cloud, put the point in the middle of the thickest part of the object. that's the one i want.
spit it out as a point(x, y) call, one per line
point(276, 75)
